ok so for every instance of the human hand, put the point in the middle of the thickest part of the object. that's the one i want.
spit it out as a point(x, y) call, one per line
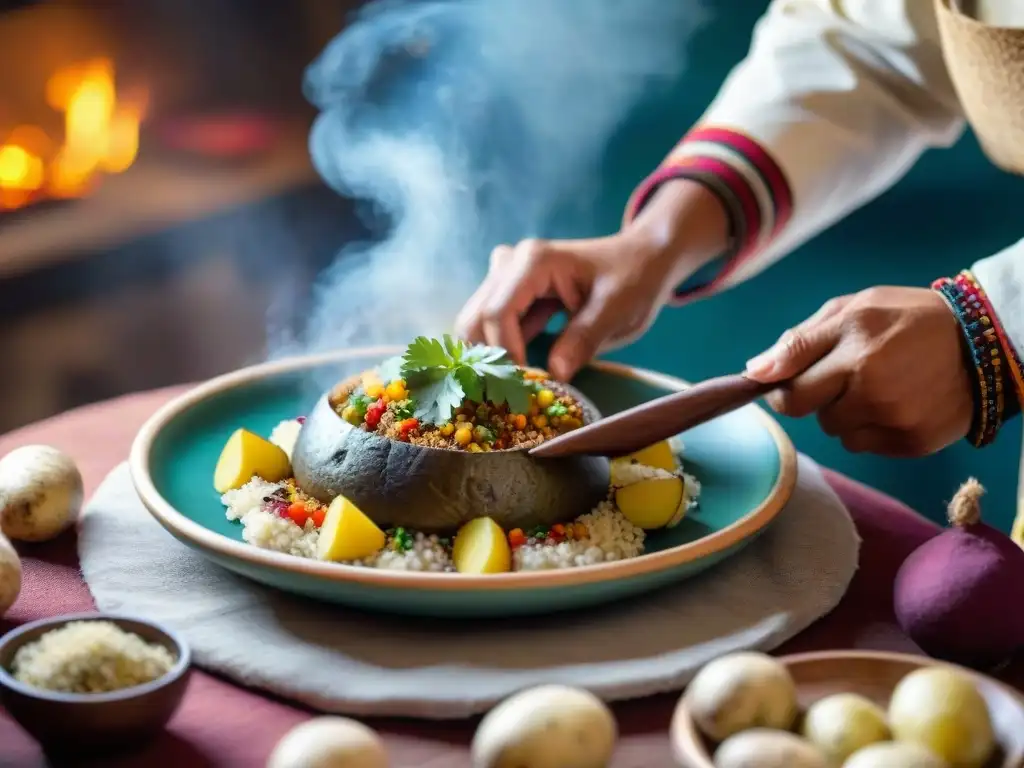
point(883, 369)
point(612, 287)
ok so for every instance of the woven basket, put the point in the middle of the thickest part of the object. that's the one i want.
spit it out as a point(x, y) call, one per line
point(986, 65)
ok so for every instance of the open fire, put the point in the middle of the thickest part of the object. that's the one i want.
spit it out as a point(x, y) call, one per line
point(100, 136)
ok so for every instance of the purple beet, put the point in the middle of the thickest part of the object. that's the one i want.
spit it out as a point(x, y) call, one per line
point(954, 595)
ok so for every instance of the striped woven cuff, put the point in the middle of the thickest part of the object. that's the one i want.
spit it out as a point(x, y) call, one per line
point(750, 184)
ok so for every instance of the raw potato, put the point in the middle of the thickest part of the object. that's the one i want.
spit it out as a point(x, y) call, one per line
point(651, 504)
point(841, 724)
point(329, 742)
point(893, 754)
point(658, 455)
point(10, 575)
point(942, 710)
point(348, 534)
point(551, 726)
point(481, 547)
point(740, 691)
point(247, 455)
point(40, 493)
point(766, 748)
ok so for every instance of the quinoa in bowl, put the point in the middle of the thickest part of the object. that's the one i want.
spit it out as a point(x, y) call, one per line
point(386, 408)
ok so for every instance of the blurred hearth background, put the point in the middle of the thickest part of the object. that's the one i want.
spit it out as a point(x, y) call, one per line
point(156, 192)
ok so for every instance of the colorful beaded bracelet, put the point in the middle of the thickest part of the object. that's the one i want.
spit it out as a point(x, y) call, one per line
point(1009, 365)
point(994, 360)
point(983, 350)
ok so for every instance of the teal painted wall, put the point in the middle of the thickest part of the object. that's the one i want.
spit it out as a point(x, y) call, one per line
point(951, 210)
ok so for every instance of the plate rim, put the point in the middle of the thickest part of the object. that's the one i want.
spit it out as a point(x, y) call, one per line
point(683, 732)
point(206, 540)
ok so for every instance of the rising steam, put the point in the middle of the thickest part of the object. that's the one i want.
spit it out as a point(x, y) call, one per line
point(465, 123)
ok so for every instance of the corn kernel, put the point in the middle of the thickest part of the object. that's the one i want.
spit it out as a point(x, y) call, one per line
point(375, 391)
point(474, 448)
point(540, 421)
point(396, 390)
point(545, 398)
point(447, 429)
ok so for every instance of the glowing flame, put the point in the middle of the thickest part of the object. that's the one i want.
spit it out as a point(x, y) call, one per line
point(101, 135)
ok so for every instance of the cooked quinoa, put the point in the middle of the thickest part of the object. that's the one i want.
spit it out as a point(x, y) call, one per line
point(386, 408)
point(90, 657)
point(281, 518)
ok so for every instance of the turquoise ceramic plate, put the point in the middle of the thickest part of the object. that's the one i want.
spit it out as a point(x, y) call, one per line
point(744, 460)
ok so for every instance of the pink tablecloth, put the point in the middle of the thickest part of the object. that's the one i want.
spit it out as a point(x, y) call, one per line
point(221, 724)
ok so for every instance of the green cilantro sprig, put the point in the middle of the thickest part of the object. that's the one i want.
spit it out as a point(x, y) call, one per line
point(441, 373)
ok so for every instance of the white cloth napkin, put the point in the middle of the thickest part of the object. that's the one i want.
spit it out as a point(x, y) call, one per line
point(339, 660)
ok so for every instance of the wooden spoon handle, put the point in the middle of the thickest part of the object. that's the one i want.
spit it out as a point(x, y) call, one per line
point(648, 423)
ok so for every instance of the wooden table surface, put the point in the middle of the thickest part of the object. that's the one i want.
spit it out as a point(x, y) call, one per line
point(223, 725)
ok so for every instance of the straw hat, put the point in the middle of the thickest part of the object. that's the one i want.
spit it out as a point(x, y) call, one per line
point(986, 64)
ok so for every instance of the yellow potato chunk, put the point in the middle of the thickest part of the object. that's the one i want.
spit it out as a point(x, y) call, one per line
point(348, 534)
point(653, 503)
point(659, 455)
point(246, 455)
point(481, 547)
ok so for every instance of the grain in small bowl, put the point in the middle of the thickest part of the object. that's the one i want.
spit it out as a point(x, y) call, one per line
point(92, 682)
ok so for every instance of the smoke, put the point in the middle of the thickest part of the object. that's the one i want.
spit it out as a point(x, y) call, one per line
point(463, 124)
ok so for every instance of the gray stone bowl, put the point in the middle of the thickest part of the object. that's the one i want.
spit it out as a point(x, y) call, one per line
point(436, 490)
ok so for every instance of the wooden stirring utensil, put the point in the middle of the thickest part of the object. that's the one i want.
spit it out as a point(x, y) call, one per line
point(648, 423)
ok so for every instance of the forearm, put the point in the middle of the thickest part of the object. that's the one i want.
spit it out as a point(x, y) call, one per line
point(683, 227)
point(832, 105)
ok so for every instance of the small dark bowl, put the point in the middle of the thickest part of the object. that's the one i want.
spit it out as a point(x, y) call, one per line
point(80, 723)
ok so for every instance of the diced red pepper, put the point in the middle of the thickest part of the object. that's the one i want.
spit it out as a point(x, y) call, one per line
point(406, 427)
point(516, 538)
point(298, 513)
point(557, 532)
point(318, 516)
point(374, 412)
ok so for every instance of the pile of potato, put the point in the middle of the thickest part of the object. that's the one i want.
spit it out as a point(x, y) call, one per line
point(40, 497)
point(550, 726)
point(746, 703)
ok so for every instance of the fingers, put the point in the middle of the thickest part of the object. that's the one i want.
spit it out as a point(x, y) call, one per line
point(842, 417)
point(528, 284)
point(538, 316)
point(586, 332)
point(884, 441)
point(525, 276)
point(817, 387)
point(469, 323)
point(801, 346)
